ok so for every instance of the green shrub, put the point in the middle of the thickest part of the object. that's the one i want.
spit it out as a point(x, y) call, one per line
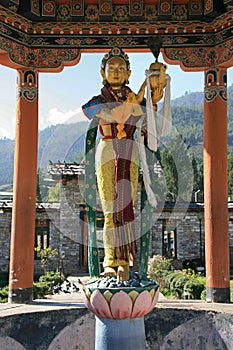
point(46, 283)
point(203, 294)
point(4, 294)
point(45, 255)
point(52, 277)
point(158, 268)
point(3, 279)
point(169, 278)
point(166, 292)
point(193, 289)
point(177, 284)
point(201, 279)
point(158, 262)
point(40, 289)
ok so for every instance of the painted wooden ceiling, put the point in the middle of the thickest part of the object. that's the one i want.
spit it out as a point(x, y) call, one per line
point(46, 34)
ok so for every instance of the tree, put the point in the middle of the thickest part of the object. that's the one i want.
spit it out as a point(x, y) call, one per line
point(54, 193)
point(170, 174)
point(41, 187)
point(198, 185)
point(178, 170)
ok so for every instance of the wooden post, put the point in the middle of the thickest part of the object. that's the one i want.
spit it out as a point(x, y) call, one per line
point(216, 186)
point(24, 196)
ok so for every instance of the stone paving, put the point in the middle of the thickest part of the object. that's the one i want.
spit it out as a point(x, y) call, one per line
point(74, 300)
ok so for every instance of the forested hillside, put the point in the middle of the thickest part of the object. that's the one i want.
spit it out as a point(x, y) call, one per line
point(187, 113)
point(56, 143)
point(6, 162)
point(66, 141)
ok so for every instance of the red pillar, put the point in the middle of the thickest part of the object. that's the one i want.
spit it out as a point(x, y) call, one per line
point(216, 186)
point(24, 197)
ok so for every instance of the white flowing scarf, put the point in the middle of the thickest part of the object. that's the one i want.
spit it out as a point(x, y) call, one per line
point(154, 131)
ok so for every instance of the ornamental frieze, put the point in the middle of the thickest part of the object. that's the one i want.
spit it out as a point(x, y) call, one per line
point(42, 58)
point(69, 27)
point(215, 84)
point(212, 92)
point(38, 10)
point(199, 57)
point(29, 93)
point(93, 14)
point(84, 36)
point(27, 85)
point(45, 57)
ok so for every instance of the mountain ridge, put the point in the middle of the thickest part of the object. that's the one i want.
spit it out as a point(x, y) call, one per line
point(65, 142)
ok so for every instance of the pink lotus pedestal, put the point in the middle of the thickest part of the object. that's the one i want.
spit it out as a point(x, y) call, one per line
point(120, 314)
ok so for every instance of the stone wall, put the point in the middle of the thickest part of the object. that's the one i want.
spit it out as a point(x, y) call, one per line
point(71, 198)
point(74, 329)
point(187, 227)
point(49, 213)
point(5, 234)
point(65, 232)
point(68, 259)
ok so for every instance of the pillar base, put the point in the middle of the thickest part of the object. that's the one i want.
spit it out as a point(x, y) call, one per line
point(123, 334)
point(20, 296)
point(217, 295)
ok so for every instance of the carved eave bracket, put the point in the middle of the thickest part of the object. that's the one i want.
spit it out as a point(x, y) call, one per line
point(16, 55)
point(200, 58)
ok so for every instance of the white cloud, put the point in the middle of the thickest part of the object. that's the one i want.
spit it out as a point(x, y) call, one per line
point(6, 133)
point(7, 128)
point(55, 116)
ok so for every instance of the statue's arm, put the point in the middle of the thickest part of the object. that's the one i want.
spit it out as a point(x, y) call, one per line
point(141, 93)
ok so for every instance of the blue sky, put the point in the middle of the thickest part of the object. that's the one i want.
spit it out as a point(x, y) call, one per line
point(62, 94)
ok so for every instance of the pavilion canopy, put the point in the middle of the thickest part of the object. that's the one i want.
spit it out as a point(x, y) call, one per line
point(47, 34)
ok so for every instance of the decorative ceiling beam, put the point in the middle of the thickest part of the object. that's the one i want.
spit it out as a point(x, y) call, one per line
point(54, 44)
point(213, 8)
point(116, 10)
point(195, 9)
point(165, 8)
point(228, 2)
point(105, 10)
point(199, 58)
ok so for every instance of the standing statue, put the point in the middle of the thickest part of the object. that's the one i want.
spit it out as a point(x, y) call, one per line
point(120, 112)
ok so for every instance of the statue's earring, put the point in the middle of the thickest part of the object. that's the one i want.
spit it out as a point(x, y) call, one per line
point(102, 72)
point(128, 75)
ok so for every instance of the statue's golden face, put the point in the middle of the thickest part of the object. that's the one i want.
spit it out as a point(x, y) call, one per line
point(116, 73)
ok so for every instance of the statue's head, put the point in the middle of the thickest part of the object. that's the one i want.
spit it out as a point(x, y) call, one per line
point(115, 68)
